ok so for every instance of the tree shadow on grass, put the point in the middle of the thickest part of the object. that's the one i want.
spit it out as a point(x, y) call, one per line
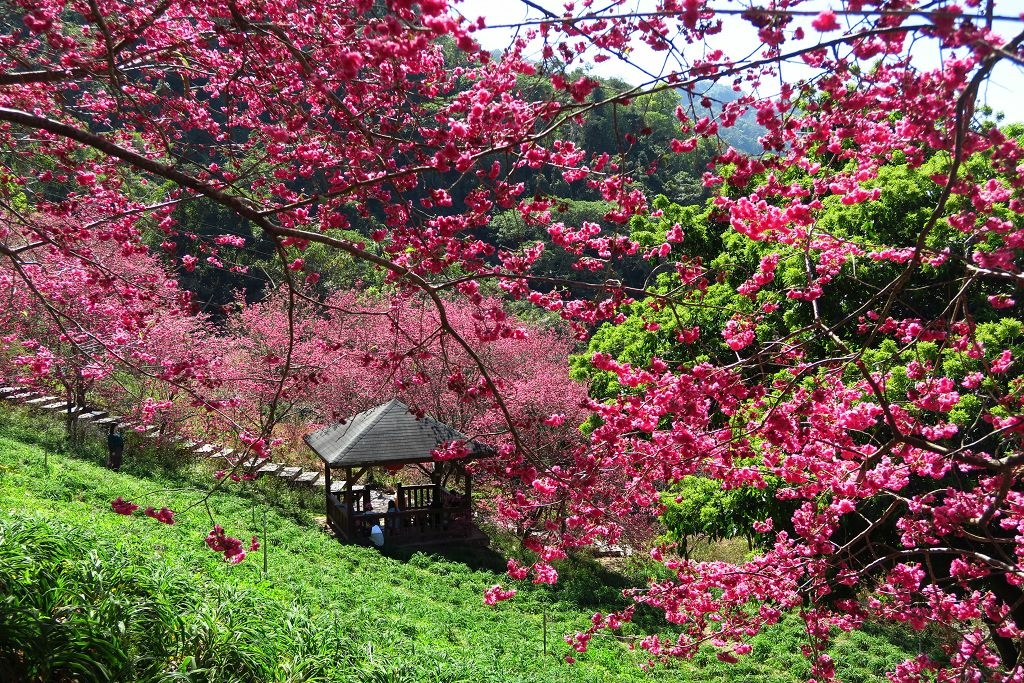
point(587, 583)
point(475, 556)
point(583, 582)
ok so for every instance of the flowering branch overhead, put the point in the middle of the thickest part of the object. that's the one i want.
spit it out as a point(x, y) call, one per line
point(835, 327)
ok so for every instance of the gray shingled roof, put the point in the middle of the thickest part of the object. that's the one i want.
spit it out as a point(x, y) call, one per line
point(386, 435)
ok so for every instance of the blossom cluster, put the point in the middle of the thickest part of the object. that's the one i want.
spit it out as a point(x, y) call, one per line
point(125, 507)
point(233, 549)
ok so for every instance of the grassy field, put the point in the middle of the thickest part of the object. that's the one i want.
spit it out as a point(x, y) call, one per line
point(86, 594)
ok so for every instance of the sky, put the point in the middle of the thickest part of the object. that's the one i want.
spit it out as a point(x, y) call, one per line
point(1004, 90)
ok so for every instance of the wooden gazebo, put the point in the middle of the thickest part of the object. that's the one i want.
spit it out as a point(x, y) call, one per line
point(391, 436)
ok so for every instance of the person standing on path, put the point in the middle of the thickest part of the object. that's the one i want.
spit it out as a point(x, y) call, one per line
point(115, 445)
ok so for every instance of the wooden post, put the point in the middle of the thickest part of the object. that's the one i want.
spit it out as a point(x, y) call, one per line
point(545, 631)
point(400, 497)
point(351, 531)
point(264, 539)
point(327, 488)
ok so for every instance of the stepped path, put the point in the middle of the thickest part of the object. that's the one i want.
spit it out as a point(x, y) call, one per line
point(101, 419)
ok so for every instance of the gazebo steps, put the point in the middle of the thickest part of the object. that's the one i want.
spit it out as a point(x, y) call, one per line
point(475, 538)
point(306, 478)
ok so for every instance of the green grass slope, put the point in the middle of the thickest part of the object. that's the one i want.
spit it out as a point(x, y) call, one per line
point(86, 594)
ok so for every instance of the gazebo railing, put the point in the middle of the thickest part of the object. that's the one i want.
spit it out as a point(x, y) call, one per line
point(337, 515)
point(407, 526)
point(416, 497)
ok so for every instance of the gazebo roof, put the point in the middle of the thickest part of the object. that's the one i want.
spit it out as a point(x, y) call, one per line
point(389, 434)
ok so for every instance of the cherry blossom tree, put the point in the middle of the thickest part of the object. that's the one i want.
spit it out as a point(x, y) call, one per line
point(292, 116)
point(114, 334)
point(355, 350)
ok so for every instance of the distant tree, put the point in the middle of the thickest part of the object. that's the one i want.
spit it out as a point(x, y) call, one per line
point(320, 362)
point(97, 322)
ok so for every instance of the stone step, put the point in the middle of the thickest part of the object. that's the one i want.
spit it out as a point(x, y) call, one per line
point(270, 468)
point(223, 453)
point(289, 472)
point(41, 399)
point(101, 418)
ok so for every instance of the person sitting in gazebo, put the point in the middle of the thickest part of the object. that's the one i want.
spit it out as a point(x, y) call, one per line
point(391, 519)
point(377, 535)
point(366, 519)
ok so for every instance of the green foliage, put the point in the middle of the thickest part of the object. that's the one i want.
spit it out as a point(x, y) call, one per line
point(651, 326)
point(510, 231)
point(338, 269)
point(699, 508)
point(200, 223)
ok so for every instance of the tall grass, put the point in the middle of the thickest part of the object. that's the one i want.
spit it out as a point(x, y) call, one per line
point(89, 595)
